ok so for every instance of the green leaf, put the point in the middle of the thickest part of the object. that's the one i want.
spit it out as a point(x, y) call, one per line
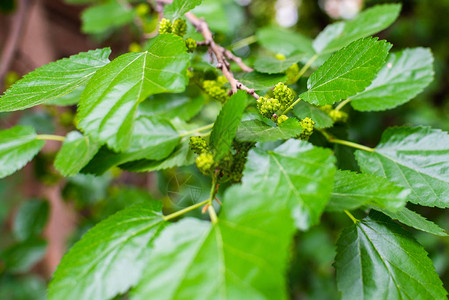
point(376, 259)
point(54, 80)
point(261, 81)
point(258, 131)
point(226, 124)
point(110, 257)
point(179, 7)
point(414, 158)
point(170, 106)
point(296, 174)
point(271, 65)
point(404, 76)
point(181, 156)
point(108, 104)
point(352, 190)
point(18, 145)
point(286, 42)
point(303, 110)
point(21, 257)
point(415, 220)
point(99, 18)
point(369, 22)
point(76, 152)
point(31, 219)
point(347, 72)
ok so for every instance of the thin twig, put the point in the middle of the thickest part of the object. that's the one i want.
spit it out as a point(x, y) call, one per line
point(221, 55)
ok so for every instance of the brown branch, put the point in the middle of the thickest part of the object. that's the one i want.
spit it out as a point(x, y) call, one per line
point(221, 55)
point(12, 42)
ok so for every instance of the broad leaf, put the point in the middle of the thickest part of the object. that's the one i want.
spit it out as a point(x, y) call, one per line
point(110, 257)
point(258, 131)
point(271, 65)
point(303, 109)
point(415, 220)
point(54, 80)
point(261, 81)
point(295, 174)
point(226, 124)
point(108, 104)
point(169, 106)
point(347, 72)
point(178, 8)
point(31, 219)
point(340, 34)
point(378, 260)
point(102, 17)
point(280, 40)
point(414, 158)
point(75, 153)
point(18, 146)
point(352, 190)
point(404, 76)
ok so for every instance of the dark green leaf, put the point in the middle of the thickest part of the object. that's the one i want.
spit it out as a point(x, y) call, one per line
point(261, 81)
point(340, 34)
point(404, 76)
point(303, 109)
point(226, 124)
point(273, 65)
point(280, 40)
point(54, 80)
point(110, 257)
point(352, 190)
point(75, 153)
point(107, 112)
point(414, 158)
point(178, 8)
point(378, 260)
point(258, 131)
point(21, 257)
point(31, 219)
point(18, 146)
point(171, 106)
point(347, 72)
point(113, 14)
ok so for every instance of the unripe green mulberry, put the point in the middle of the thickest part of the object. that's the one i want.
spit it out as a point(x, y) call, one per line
point(215, 90)
point(292, 74)
point(198, 144)
point(165, 26)
point(284, 94)
point(142, 9)
point(326, 108)
point(338, 116)
point(222, 80)
point(239, 160)
point(282, 119)
point(280, 56)
point(268, 106)
point(307, 124)
point(191, 44)
point(205, 162)
point(179, 27)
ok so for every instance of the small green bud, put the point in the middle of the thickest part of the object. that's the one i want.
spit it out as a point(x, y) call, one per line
point(165, 26)
point(198, 144)
point(142, 9)
point(280, 56)
point(205, 162)
point(190, 44)
point(179, 27)
point(307, 124)
point(282, 119)
point(134, 47)
point(338, 116)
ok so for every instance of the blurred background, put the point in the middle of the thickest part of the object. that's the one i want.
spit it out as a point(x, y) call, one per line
point(42, 214)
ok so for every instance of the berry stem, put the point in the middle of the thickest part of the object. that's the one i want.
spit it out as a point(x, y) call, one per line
point(351, 216)
point(306, 67)
point(50, 137)
point(342, 103)
point(290, 107)
point(197, 130)
point(244, 42)
point(346, 143)
point(185, 210)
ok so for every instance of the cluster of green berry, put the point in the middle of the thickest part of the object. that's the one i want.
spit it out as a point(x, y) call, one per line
point(231, 166)
point(178, 27)
point(277, 100)
point(307, 128)
point(336, 115)
point(217, 89)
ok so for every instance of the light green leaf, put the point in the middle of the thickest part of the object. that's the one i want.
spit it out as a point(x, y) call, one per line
point(54, 80)
point(18, 145)
point(280, 40)
point(108, 104)
point(352, 190)
point(258, 131)
point(271, 65)
point(170, 106)
point(261, 81)
point(347, 72)
point(110, 257)
point(178, 8)
point(404, 76)
point(31, 219)
point(303, 109)
point(226, 124)
point(369, 22)
point(99, 18)
point(295, 174)
point(75, 153)
point(415, 220)
point(414, 158)
point(376, 259)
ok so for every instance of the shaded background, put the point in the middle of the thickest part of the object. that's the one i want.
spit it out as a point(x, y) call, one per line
point(41, 214)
